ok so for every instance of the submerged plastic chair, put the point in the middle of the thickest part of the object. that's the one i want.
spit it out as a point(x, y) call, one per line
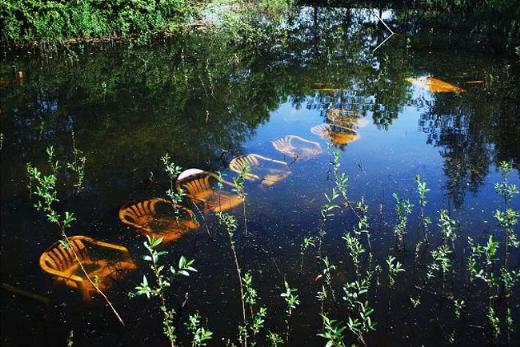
point(199, 187)
point(258, 172)
point(304, 150)
point(434, 85)
point(61, 263)
point(144, 217)
point(346, 118)
point(336, 134)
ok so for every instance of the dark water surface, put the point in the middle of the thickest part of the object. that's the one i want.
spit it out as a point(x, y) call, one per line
point(204, 103)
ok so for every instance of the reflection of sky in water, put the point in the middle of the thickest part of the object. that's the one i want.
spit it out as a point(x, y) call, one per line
point(380, 163)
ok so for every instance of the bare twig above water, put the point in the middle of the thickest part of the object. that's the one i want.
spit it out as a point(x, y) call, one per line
point(392, 33)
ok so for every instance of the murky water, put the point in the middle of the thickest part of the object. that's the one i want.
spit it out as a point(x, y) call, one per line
point(205, 103)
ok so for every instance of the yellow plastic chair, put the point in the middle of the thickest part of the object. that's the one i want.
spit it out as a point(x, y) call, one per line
point(336, 134)
point(61, 263)
point(297, 147)
point(144, 217)
point(200, 189)
point(259, 170)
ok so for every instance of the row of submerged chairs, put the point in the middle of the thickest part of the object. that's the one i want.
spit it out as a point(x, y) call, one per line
point(160, 218)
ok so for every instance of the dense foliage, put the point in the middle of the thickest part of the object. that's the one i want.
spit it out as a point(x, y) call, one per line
point(54, 20)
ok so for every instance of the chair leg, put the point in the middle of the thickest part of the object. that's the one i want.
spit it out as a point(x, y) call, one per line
point(85, 292)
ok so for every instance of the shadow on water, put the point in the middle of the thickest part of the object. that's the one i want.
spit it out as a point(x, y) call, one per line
point(206, 99)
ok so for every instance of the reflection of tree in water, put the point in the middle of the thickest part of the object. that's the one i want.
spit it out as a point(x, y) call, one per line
point(465, 152)
point(202, 94)
point(334, 48)
point(475, 130)
point(193, 98)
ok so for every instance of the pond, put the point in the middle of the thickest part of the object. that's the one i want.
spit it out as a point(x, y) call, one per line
point(205, 99)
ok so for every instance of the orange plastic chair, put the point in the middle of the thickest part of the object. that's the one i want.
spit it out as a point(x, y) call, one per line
point(200, 189)
point(336, 134)
point(304, 150)
point(434, 85)
point(258, 170)
point(346, 118)
point(61, 263)
point(144, 217)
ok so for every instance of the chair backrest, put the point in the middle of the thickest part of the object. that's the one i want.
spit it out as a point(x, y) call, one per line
point(251, 160)
point(60, 258)
point(285, 145)
point(322, 130)
point(132, 213)
point(196, 184)
point(238, 163)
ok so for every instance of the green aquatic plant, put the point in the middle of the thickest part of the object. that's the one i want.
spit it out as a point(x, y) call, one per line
point(356, 250)
point(422, 190)
point(162, 283)
point(486, 255)
point(363, 225)
point(229, 223)
point(257, 319)
point(45, 188)
point(415, 302)
point(77, 165)
point(494, 322)
point(327, 270)
point(441, 262)
point(509, 278)
point(504, 188)
point(307, 243)
point(341, 178)
point(172, 171)
point(507, 218)
point(403, 209)
point(239, 183)
point(199, 335)
point(326, 213)
point(362, 324)
point(292, 301)
point(341, 184)
point(70, 338)
point(458, 305)
point(394, 268)
point(447, 228)
point(274, 339)
point(333, 332)
point(354, 291)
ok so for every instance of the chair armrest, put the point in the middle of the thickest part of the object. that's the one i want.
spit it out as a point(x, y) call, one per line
point(60, 274)
point(110, 246)
point(271, 160)
point(221, 180)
